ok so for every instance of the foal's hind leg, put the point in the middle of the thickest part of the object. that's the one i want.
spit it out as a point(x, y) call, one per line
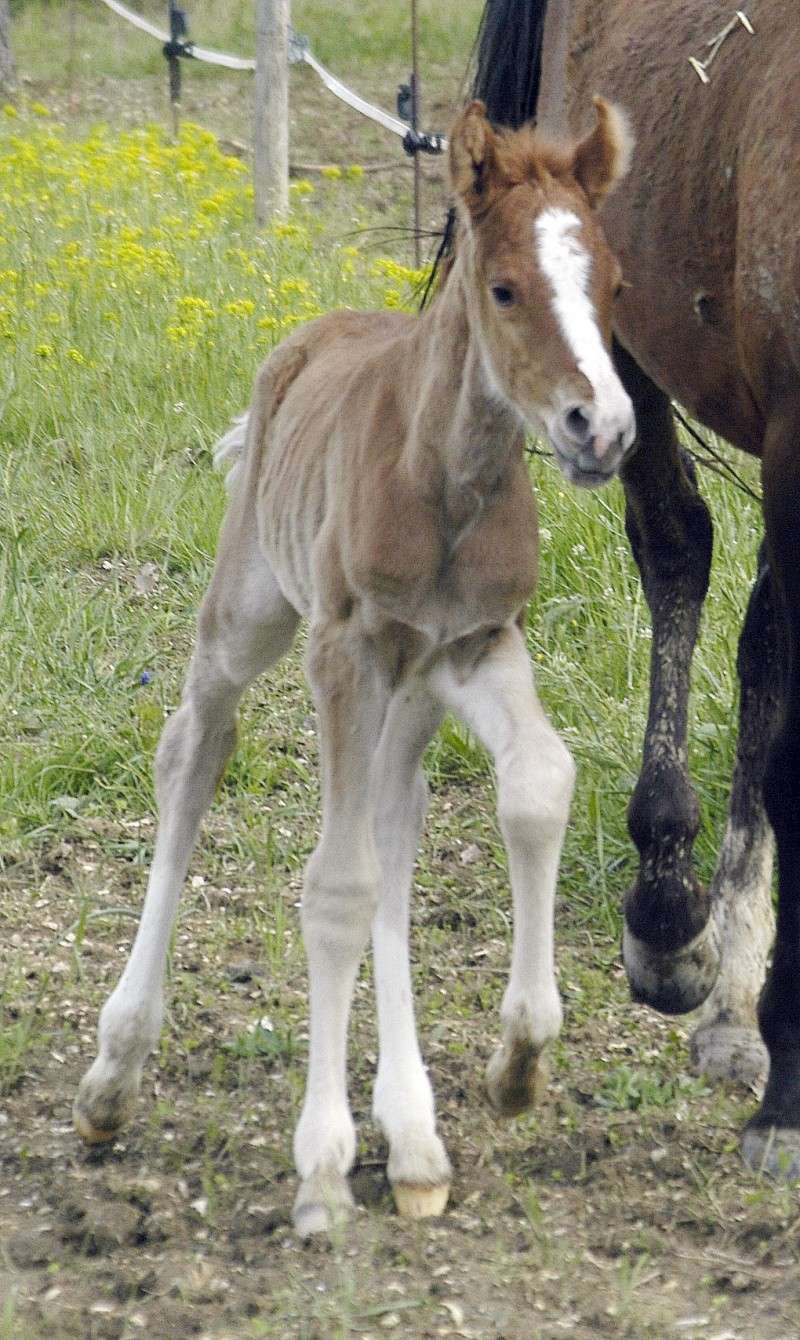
point(403, 1105)
point(670, 947)
point(245, 624)
point(535, 776)
point(340, 896)
point(727, 1044)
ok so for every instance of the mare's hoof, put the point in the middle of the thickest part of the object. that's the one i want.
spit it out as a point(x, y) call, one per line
point(516, 1077)
point(420, 1202)
point(101, 1110)
point(323, 1203)
point(773, 1150)
point(672, 982)
point(731, 1052)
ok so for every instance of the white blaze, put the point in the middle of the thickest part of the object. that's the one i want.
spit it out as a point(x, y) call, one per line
point(566, 265)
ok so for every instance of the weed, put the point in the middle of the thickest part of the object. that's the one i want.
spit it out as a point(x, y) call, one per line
point(624, 1088)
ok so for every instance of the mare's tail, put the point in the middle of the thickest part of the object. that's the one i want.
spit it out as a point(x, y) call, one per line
point(508, 61)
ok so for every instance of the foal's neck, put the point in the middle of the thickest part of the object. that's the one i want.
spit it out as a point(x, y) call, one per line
point(463, 434)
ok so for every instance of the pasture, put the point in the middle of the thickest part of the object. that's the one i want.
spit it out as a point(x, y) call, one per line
point(136, 300)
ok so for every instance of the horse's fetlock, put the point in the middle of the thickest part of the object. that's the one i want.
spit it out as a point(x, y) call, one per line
point(533, 1019)
point(127, 1035)
point(324, 1142)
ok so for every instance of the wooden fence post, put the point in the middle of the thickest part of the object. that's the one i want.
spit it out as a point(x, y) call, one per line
point(271, 139)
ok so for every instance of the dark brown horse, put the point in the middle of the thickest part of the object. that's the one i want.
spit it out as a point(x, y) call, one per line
point(707, 235)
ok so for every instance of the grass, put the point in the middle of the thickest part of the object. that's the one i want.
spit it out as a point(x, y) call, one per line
point(79, 38)
point(134, 314)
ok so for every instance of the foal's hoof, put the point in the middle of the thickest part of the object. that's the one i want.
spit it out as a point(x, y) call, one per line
point(101, 1110)
point(673, 982)
point(419, 1172)
point(731, 1052)
point(773, 1150)
point(516, 1077)
point(323, 1203)
point(420, 1202)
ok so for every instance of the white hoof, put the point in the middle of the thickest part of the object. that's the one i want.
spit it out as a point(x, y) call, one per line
point(420, 1202)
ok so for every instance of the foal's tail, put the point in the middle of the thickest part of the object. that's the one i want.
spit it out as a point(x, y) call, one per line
point(275, 377)
point(508, 59)
point(229, 451)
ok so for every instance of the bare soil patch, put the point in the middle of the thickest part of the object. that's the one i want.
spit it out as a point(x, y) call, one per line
point(620, 1208)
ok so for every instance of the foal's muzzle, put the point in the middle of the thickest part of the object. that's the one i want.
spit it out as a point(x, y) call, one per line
point(590, 442)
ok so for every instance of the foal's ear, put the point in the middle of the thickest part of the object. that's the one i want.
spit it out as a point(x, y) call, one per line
point(472, 157)
point(604, 156)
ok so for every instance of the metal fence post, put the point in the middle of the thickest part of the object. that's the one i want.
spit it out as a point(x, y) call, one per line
point(271, 139)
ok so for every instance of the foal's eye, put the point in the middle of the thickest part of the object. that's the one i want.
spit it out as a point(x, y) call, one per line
point(503, 296)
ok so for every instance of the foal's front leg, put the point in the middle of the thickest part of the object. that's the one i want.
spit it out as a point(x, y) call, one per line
point(535, 777)
point(340, 895)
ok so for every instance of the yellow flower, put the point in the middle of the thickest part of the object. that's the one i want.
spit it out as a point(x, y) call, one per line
point(240, 307)
point(10, 110)
point(289, 286)
point(332, 172)
point(39, 109)
point(355, 172)
point(44, 351)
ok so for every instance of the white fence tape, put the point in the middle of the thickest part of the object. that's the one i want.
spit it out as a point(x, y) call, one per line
point(298, 51)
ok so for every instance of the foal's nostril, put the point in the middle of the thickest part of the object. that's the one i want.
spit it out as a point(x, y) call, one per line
point(577, 424)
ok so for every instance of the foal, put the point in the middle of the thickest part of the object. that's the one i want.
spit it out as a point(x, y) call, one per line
point(383, 494)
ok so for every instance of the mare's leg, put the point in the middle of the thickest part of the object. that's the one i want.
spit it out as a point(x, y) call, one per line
point(535, 776)
point(403, 1105)
point(244, 625)
point(670, 947)
point(727, 1044)
point(340, 897)
point(772, 1138)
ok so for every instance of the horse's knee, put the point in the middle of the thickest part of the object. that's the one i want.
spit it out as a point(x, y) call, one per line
point(535, 789)
point(338, 906)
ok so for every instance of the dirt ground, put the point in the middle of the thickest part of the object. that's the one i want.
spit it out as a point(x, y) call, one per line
point(621, 1208)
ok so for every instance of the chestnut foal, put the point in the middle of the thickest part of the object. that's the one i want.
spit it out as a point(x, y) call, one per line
point(382, 492)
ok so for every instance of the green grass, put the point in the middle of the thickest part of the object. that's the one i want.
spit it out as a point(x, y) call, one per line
point(76, 39)
point(134, 314)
